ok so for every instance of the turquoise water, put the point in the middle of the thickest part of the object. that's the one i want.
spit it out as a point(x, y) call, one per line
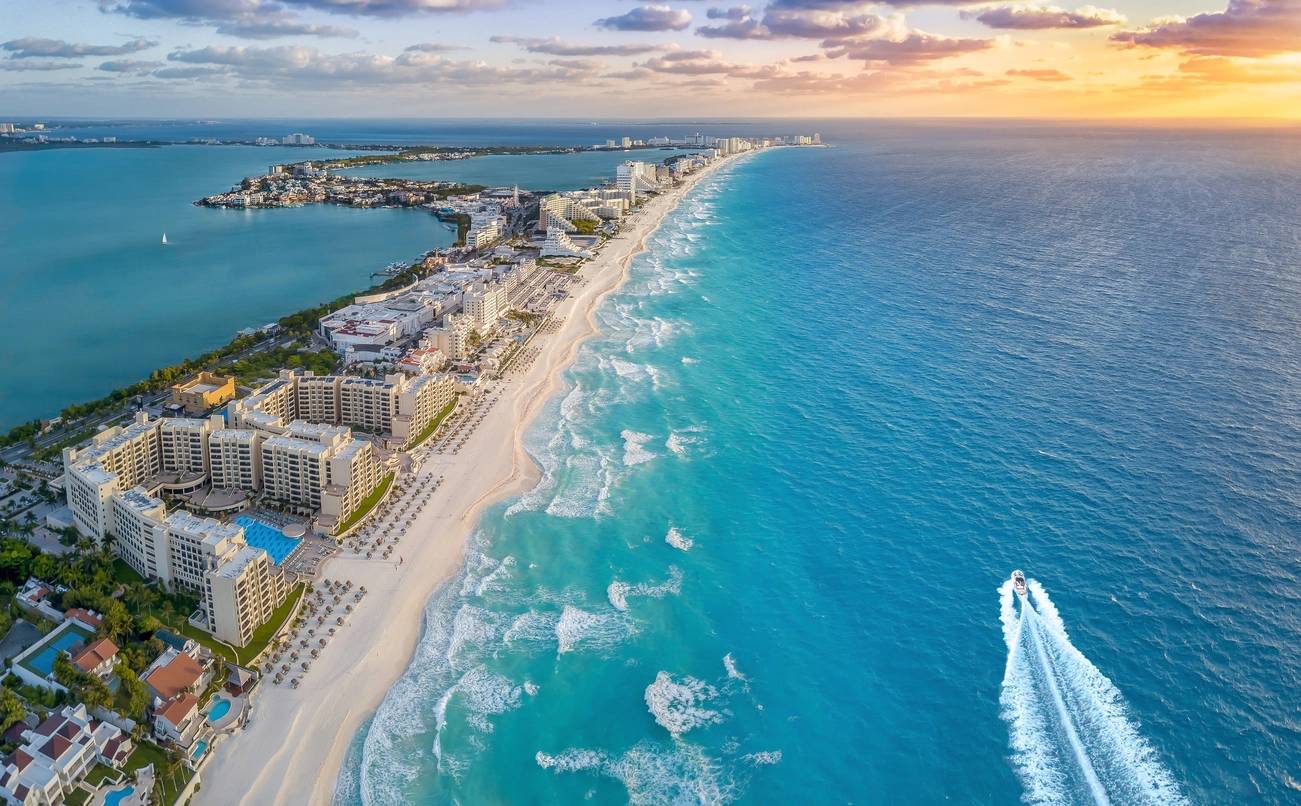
point(118, 795)
point(529, 171)
point(219, 709)
point(92, 301)
point(844, 395)
point(200, 748)
point(43, 661)
point(264, 536)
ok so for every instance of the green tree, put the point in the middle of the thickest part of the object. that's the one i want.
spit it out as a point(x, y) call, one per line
point(11, 708)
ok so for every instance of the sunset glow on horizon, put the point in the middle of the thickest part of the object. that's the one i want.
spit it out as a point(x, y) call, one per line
point(446, 58)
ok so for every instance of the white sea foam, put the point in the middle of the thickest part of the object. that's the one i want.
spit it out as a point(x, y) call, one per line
point(618, 592)
point(729, 663)
point(764, 758)
point(681, 442)
point(679, 707)
point(483, 694)
point(677, 540)
point(573, 760)
point(634, 448)
point(653, 774)
point(688, 360)
point(531, 626)
point(577, 628)
point(1071, 734)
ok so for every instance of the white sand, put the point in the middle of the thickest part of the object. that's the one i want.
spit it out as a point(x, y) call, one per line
point(292, 750)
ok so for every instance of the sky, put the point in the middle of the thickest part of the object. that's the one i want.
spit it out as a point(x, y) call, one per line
point(620, 58)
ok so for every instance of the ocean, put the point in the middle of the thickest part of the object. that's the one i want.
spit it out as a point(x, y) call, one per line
point(841, 397)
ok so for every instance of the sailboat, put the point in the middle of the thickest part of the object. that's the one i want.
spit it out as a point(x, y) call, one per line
point(164, 239)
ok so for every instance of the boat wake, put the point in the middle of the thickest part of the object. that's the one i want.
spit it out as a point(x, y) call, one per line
point(1072, 738)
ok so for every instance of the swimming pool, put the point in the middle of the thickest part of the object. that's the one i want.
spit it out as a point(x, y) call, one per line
point(265, 536)
point(219, 709)
point(118, 795)
point(42, 662)
point(200, 748)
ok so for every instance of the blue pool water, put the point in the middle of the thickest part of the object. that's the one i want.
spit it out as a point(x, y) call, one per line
point(118, 795)
point(219, 709)
point(200, 748)
point(43, 661)
point(846, 392)
point(265, 536)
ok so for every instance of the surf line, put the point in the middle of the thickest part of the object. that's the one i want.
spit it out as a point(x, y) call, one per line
point(1096, 788)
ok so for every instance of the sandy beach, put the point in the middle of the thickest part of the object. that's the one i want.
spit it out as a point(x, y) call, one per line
point(294, 745)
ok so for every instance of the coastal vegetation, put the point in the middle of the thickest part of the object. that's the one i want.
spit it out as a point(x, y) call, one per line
point(261, 637)
point(433, 425)
point(442, 153)
point(170, 775)
point(367, 504)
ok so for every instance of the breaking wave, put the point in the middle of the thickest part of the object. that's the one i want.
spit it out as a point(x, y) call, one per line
point(618, 592)
point(677, 540)
point(680, 706)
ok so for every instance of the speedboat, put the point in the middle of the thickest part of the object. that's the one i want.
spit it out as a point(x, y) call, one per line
point(1018, 582)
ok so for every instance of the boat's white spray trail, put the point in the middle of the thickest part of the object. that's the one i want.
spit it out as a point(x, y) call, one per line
point(1072, 738)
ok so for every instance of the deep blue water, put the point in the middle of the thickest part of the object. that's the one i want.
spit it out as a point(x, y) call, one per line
point(865, 383)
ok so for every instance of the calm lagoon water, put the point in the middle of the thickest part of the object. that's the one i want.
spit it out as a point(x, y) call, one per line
point(784, 487)
point(92, 299)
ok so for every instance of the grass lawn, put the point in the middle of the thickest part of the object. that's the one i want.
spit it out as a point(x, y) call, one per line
point(367, 504)
point(77, 797)
point(245, 654)
point(433, 424)
point(171, 779)
point(100, 773)
point(269, 630)
point(126, 574)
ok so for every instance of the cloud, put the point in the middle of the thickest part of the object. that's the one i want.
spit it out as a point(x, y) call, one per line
point(859, 6)
point(705, 63)
point(190, 72)
point(210, 10)
point(183, 9)
point(1250, 28)
point(432, 47)
point(1040, 75)
point(274, 27)
point(648, 18)
point(798, 23)
point(582, 65)
point(822, 24)
point(557, 47)
point(916, 48)
point(18, 66)
point(34, 47)
point(876, 82)
point(309, 69)
point(739, 24)
point(1041, 17)
point(690, 63)
point(395, 8)
point(129, 66)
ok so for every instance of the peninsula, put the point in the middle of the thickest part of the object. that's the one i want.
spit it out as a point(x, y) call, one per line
point(343, 452)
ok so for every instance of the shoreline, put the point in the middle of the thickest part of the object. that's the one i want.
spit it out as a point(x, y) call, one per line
point(298, 738)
